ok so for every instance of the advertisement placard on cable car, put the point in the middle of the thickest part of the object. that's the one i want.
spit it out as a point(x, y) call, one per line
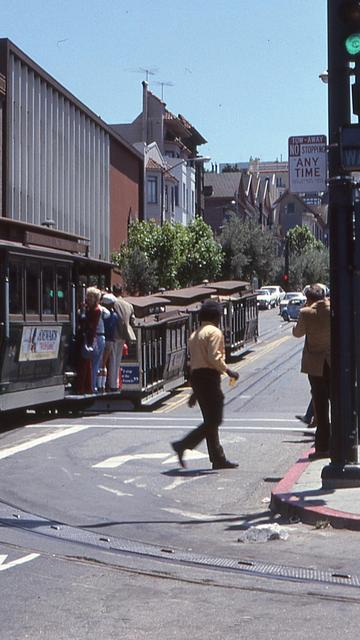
point(130, 374)
point(39, 343)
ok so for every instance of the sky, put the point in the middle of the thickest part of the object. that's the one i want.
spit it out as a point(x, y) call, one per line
point(245, 73)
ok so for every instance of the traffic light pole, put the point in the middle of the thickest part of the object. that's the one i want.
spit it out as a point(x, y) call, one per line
point(343, 470)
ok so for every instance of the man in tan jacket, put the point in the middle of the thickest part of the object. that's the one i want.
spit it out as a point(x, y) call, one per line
point(207, 363)
point(314, 324)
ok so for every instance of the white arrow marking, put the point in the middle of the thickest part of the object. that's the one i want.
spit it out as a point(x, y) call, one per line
point(117, 461)
point(13, 563)
point(190, 454)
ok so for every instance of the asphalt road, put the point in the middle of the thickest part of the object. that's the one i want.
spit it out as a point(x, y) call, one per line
point(104, 536)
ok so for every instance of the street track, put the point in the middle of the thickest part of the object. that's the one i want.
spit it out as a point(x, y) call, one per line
point(91, 544)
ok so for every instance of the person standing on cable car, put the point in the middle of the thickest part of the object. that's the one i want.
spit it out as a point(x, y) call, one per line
point(207, 363)
point(92, 327)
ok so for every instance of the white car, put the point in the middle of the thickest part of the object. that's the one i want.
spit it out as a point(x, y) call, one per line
point(264, 299)
point(277, 293)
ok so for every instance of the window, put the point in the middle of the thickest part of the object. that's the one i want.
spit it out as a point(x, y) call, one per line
point(177, 196)
point(62, 291)
point(290, 207)
point(32, 289)
point(48, 286)
point(152, 189)
point(16, 289)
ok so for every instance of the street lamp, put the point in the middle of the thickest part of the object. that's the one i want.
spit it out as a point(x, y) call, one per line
point(195, 160)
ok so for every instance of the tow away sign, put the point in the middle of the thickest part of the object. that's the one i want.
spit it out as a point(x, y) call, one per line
point(307, 164)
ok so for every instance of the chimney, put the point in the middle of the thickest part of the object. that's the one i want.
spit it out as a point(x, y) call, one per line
point(145, 111)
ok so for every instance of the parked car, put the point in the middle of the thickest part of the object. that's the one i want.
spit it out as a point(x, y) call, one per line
point(277, 292)
point(288, 296)
point(264, 299)
point(293, 308)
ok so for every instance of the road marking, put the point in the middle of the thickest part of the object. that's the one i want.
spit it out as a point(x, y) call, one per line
point(6, 453)
point(179, 481)
point(115, 491)
point(117, 461)
point(191, 454)
point(92, 425)
point(8, 565)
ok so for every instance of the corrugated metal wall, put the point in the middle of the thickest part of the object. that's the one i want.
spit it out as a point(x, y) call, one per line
point(58, 160)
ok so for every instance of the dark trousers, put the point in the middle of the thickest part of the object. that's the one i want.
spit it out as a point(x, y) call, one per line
point(207, 388)
point(320, 389)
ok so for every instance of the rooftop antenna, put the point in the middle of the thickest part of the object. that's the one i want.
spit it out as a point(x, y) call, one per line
point(162, 85)
point(149, 71)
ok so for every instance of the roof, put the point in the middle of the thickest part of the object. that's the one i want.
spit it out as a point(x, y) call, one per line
point(227, 286)
point(189, 295)
point(224, 185)
point(146, 301)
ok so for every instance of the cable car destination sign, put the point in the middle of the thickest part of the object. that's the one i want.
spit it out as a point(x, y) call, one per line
point(307, 164)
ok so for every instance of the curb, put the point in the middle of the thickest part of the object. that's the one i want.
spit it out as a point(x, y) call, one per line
point(289, 502)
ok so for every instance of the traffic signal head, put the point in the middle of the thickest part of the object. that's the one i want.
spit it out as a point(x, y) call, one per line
point(286, 277)
point(349, 14)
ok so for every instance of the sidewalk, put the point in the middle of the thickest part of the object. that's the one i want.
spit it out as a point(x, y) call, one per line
point(300, 494)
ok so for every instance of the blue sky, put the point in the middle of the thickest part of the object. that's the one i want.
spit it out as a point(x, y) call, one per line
point(244, 72)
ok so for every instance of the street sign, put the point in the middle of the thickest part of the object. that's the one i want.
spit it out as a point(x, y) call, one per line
point(307, 164)
point(350, 147)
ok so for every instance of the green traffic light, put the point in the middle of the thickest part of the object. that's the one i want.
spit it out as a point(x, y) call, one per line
point(352, 44)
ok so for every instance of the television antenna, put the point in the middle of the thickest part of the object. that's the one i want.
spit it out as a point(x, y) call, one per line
point(162, 85)
point(148, 71)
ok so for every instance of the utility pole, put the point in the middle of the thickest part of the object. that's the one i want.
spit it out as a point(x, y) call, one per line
point(343, 470)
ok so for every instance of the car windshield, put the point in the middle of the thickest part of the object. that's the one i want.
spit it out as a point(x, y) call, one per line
point(263, 292)
point(270, 289)
point(290, 295)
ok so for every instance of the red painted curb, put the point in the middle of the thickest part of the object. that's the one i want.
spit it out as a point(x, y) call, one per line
point(288, 502)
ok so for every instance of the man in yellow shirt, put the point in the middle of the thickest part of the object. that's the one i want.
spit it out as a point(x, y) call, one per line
point(207, 363)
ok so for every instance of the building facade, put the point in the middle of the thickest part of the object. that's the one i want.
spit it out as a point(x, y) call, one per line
point(176, 140)
point(61, 165)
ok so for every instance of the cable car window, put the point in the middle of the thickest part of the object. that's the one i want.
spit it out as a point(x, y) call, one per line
point(62, 290)
point(32, 289)
point(16, 289)
point(48, 298)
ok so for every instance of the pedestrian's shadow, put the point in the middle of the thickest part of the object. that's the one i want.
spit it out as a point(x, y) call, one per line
point(186, 473)
point(259, 517)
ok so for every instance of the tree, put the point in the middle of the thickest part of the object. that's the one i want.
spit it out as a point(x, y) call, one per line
point(308, 258)
point(301, 240)
point(168, 256)
point(202, 256)
point(312, 266)
point(248, 250)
